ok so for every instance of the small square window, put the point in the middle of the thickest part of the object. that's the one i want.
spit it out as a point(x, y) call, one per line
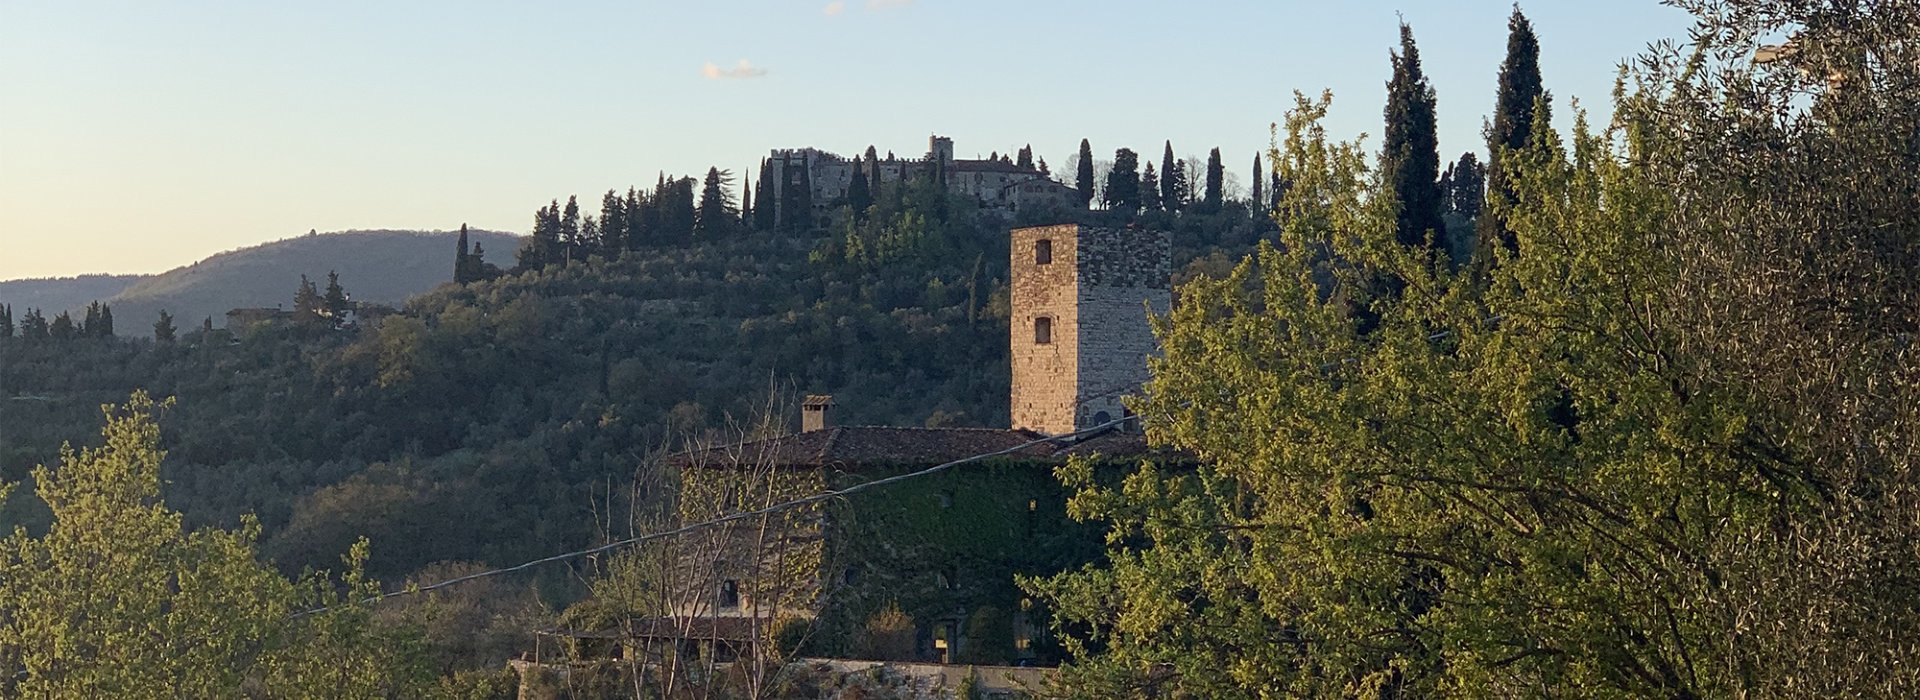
point(1043, 252)
point(729, 594)
point(1042, 330)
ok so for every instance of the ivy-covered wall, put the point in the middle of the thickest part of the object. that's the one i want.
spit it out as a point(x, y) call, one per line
point(947, 548)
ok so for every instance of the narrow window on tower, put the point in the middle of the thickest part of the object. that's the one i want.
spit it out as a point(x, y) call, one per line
point(1043, 252)
point(1042, 330)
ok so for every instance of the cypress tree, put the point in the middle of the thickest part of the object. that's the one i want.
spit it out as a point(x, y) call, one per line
point(1169, 189)
point(334, 302)
point(462, 270)
point(796, 206)
point(1410, 152)
point(1216, 177)
point(1123, 182)
point(1083, 179)
point(1182, 186)
point(569, 232)
point(1513, 117)
point(87, 328)
point(539, 249)
point(717, 210)
point(1149, 189)
point(1257, 199)
point(163, 330)
point(1025, 161)
point(859, 194)
point(105, 327)
point(680, 213)
point(6, 321)
point(765, 215)
point(477, 263)
point(306, 301)
point(613, 224)
point(1469, 185)
point(638, 211)
point(62, 327)
point(33, 325)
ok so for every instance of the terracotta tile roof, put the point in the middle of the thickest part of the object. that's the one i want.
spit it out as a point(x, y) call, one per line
point(852, 447)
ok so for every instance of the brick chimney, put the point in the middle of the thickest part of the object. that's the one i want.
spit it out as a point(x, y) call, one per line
point(816, 413)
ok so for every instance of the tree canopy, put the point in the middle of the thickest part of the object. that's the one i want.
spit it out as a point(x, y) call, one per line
point(1635, 461)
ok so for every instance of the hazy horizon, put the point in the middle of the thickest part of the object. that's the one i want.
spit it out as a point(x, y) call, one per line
point(142, 138)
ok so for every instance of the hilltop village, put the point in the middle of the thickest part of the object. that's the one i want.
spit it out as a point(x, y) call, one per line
point(999, 183)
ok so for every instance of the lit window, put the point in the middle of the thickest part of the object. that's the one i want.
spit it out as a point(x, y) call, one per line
point(1043, 330)
point(1043, 252)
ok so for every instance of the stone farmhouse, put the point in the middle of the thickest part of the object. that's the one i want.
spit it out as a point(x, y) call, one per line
point(998, 184)
point(942, 550)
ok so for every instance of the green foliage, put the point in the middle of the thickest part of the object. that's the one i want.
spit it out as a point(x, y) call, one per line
point(718, 211)
point(1520, 103)
point(943, 547)
point(163, 330)
point(33, 326)
point(479, 424)
point(1216, 176)
point(859, 192)
point(117, 599)
point(969, 687)
point(1149, 189)
point(62, 327)
point(1410, 156)
point(989, 637)
point(1637, 458)
point(1173, 181)
point(790, 637)
point(1083, 174)
point(888, 635)
point(1122, 193)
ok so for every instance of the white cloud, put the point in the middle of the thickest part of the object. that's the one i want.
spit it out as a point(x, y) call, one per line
point(836, 7)
point(743, 69)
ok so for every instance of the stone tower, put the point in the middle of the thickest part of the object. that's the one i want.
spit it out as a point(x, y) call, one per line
point(940, 150)
point(1079, 317)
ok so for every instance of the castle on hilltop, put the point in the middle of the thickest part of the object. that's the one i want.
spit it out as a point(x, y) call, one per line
point(998, 183)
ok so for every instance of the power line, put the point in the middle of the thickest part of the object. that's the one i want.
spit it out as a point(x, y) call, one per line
point(733, 517)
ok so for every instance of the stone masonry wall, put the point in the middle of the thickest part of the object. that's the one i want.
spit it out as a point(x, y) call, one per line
point(1097, 291)
point(1123, 272)
point(1044, 376)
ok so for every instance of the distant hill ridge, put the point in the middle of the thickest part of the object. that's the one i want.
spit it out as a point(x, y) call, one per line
point(56, 294)
point(382, 266)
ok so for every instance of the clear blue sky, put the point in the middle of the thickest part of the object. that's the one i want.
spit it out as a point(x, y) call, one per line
point(136, 136)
